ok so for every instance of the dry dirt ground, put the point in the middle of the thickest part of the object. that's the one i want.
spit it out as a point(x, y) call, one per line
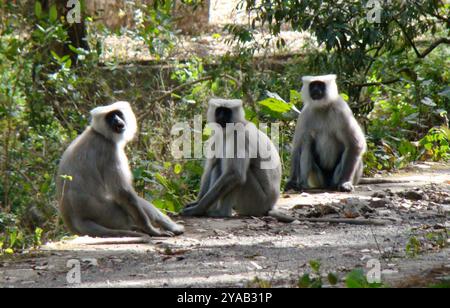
point(412, 246)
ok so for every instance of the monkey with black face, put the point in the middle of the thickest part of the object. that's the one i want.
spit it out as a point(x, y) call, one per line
point(94, 183)
point(247, 178)
point(328, 143)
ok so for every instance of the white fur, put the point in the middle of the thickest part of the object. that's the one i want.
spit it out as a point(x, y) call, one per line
point(99, 124)
point(332, 90)
point(234, 104)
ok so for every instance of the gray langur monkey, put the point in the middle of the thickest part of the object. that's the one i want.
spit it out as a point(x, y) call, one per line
point(94, 183)
point(247, 177)
point(328, 143)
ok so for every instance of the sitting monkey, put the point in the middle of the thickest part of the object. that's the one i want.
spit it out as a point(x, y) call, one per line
point(249, 184)
point(94, 183)
point(328, 144)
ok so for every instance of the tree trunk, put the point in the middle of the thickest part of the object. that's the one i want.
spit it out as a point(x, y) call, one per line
point(77, 34)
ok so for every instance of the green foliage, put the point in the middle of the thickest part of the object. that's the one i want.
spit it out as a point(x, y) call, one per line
point(420, 242)
point(259, 283)
point(357, 280)
point(413, 247)
point(276, 105)
point(311, 283)
point(345, 27)
point(332, 279)
point(441, 285)
point(436, 144)
point(314, 280)
point(173, 184)
point(154, 26)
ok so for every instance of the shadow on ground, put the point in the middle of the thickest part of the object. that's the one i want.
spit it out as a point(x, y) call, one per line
point(233, 252)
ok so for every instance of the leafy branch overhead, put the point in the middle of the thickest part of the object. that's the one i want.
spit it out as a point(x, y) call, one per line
point(354, 40)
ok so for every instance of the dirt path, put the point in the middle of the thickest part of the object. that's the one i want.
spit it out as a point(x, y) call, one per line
point(232, 253)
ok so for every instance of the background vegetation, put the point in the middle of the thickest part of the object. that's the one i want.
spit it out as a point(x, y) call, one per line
point(395, 75)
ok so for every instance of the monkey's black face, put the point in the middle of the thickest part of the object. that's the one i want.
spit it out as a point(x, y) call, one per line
point(116, 121)
point(317, 90)
point(223, 116)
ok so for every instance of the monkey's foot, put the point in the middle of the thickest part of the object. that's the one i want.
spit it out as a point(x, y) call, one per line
point(191, 205)
point(177, 229)
point(292, 186)
point(190, 212)
point(152, 231)
point(346, 187)
point(166, 234)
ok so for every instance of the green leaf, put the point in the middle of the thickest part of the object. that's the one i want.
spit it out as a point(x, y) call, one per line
point(304, 281)
point(68, 64)
point(12, 238)
point(296, 97)
point(53, 13)
point(345, 97)
point(332, 279)
point(38, 9)
point(409, 74)
point(55, 56)
point(315, 265)
point(38, 236)
point(207, 131)
point(428, 146)
point(445, 93)
point(159, 203)
point(164, 205)
point(67, 178)
point(276, 105)
point(162, 180)
point(167, 165)
point(356, 279)
point(178, 169)
point(428, 102)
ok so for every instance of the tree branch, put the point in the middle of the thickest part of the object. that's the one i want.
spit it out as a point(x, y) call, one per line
point(372, 84)
point(436, 15)
point(433, 46)
point(410, 41)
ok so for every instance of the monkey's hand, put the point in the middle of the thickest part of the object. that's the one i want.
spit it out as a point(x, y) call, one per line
point(346, 187)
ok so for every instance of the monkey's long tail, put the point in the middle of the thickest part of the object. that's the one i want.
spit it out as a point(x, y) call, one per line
point(373, 181)
point(358, 222)
point(120, 241)
point(281, 217)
